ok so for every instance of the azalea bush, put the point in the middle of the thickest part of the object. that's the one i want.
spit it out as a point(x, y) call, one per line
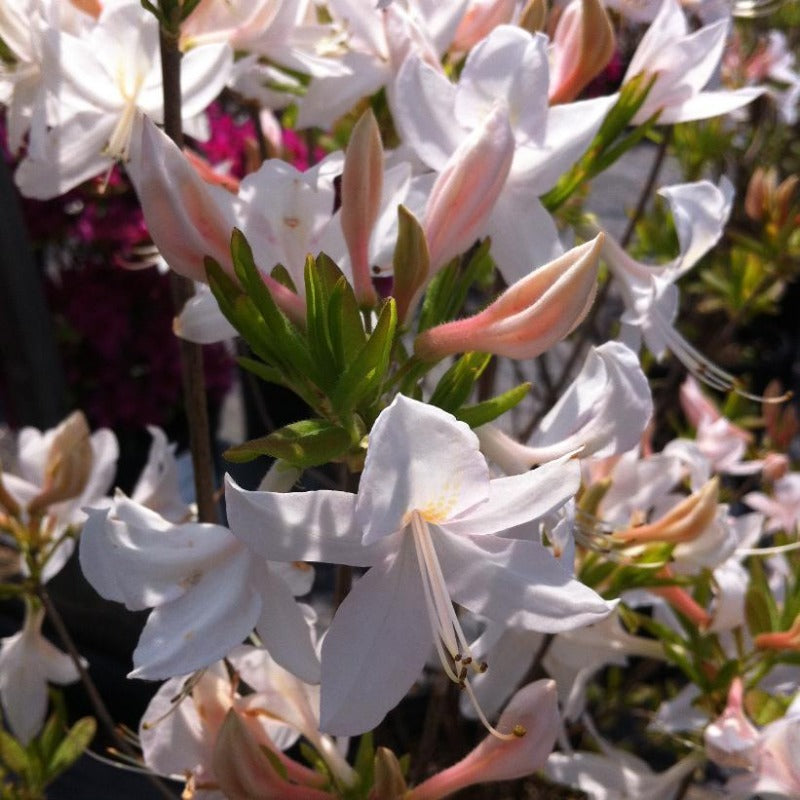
point(533, 519)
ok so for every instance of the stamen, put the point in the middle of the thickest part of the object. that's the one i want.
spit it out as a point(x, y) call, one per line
point(768, 551)
point(451, 644)
point(703, 368)
point(516, 733)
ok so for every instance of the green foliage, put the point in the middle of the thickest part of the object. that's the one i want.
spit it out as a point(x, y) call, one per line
point(26, 771)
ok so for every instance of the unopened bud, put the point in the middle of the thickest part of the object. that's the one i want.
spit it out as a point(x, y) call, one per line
point(68, 466)
point(534, 16)
point(685, 522)
point(780, 640)
point(529, 317)
point(389, 781)
point(362, 184)
point(583, 45)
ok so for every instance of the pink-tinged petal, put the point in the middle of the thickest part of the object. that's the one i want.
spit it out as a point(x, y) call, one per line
point(519, 499)
point(187, 218)
point(425, 102)
point(731, 740)
point(376, 646)
point(529, 317)
point(510, 64)
point(516, 582)
point(299, 526)
point(535, 709)
point(203, 625)
point(362, 184)
point(465, 191)
point(419, 458)
point(480, 19)
point(282, 626)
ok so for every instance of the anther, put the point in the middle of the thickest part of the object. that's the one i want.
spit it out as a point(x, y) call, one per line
point(519, 731)
point(483, 666)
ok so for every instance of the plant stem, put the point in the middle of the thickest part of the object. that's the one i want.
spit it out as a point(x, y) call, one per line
point(192, 374)
point(100, 709)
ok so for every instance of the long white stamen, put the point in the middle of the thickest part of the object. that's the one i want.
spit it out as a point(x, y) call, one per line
point(449, 639)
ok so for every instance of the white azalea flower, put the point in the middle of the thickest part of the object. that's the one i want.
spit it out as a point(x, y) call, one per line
point(98, 88)
point(27, 663)
point(428, 521)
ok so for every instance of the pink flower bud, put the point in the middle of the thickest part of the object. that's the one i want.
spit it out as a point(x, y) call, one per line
point(529, 317)
point(583, 45)
point(479, 20)
point(533, 711)
point(362, 183)
point(466, 190)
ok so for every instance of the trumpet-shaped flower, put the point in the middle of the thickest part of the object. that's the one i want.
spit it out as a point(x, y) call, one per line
point(683, 64)
point(181, 729)
point(428, 521)
point(98, 87)
point(534, 708)
point(435, 116)
point(27, 663)
point(206, 591)
point(529, 317)
point(603, 412)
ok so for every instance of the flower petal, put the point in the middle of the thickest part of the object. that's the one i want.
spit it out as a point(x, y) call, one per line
point(376, 646)
point(516, 582)
point(419, 458)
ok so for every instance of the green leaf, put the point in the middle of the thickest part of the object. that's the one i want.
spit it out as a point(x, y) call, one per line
point(283, 277)
point(764, 708)
point(364, 376)
point(346, 328)
point(9, 590)
point(455, 385)
point(263, 371)
point(303, 444)
point(291, 350)
point(364, 763)
point(12, 754)
point(490, 410)
point(72, 746)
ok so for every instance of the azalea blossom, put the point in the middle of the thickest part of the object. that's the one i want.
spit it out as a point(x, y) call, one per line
point(180, 729)
point(428, 522)
point(28, 662)
point(683, 64)
point(206, 590)
point(510, 66)
point(98, 87)
point(602, 413)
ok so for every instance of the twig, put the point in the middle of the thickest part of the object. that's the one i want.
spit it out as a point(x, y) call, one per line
point(192, 373)
point(100, 709)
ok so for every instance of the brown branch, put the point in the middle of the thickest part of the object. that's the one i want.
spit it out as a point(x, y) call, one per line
point(192, 373)
point(100, 709)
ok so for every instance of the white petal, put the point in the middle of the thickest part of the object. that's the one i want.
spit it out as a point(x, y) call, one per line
point(419, 458)
point(376, 646)
point(519, 499)
point(202, 626)
point(517, 583)
point(283, 627)
point(300, 526)
point(201, 320)
point(425, 102)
